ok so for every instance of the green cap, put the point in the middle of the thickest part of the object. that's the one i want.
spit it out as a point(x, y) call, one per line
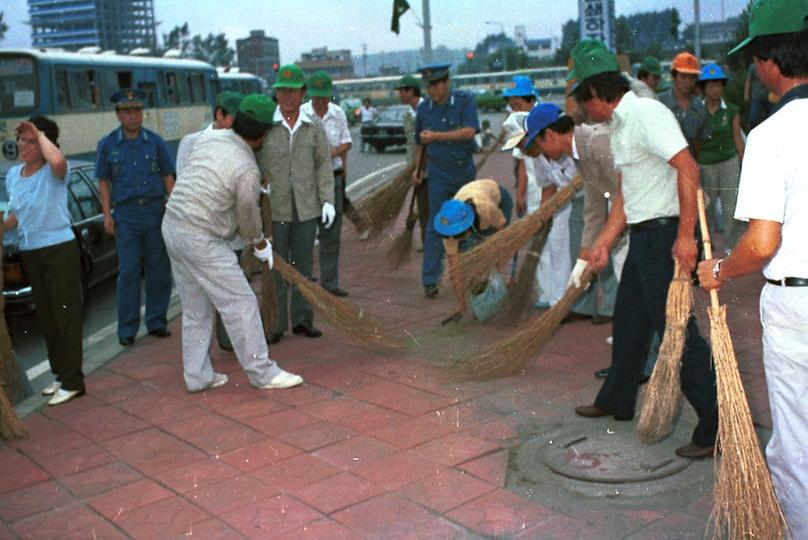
point(581, 48)
point(258, 107)
point(651, 65)
point(592, 62)
point(768, 17)
point(408, 81)
point(290, 76)
point(320, 85)
point(229, 101)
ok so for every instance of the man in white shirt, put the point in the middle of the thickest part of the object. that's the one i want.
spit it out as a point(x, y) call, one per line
point(367, 113)
point(657, 201)
point(773, 196)
point(320, 90)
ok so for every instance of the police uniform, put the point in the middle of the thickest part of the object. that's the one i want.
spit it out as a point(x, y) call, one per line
point(135, 169)
point(450, 164)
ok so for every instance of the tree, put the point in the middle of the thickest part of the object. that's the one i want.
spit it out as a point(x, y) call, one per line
point(178, 38)
point(3, 26)
point(570, 34)
point(212, 49)
point(624, 42)
point(675, 22)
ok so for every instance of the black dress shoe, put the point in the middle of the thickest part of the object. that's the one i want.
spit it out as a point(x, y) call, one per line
point(336, 291)
point(308, 331)
point(431, 291)
point(160, 332)
point(602, 373)
point(126, 341)
point(274, 337)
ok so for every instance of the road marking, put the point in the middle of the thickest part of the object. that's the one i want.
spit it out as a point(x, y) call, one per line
point(359, 182)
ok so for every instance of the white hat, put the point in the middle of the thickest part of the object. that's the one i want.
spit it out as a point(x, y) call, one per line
point(515, 131)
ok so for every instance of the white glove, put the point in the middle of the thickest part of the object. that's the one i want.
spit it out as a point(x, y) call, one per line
point(329, 213)
point(265, 254)
point(577, 272)
point(266, 190)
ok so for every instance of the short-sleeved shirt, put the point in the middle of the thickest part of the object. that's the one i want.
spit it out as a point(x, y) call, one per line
point(486, 196)
point(336, 128)
point(368, 113)
point(458, 112)
point(135, 167)
point(40, 203)
point(720, 146)
point(644, 137)
point(774, 185)
point(554, 172)
point(694, 121)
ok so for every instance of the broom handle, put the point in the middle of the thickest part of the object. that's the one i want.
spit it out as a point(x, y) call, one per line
point(705, 238)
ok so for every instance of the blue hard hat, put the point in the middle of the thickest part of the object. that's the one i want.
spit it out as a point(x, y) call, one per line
point(712, 72)
point(128, 98)
point(522, 87)
point(540, 117)
point(453, 218)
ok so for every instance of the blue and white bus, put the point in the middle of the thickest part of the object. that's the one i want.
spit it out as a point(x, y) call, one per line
point(240, 81)
point(74, 90)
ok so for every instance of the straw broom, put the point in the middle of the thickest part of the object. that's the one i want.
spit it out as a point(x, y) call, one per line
point(744, 505)
point(10, 425)
point(378, 210)
point(661, 397)
point(476, 263)
point(508, 356)
point(352, 321)
point(519, 295)
point(400, 250)
point(488, 153)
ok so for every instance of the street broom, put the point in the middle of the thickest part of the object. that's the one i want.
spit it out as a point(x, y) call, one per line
point(488, 153)
point(378, 210)
point(400, 250)
point(269, 296)
point(508, 356)
point(475, 264)
point(352, 321)
point(10, 425)
point(661, 397)
point(520, 295)
point(744, 504)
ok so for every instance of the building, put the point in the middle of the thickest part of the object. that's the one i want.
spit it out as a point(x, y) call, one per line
point(338, 64)
point(538, 49)
point(716, 37)
point(258, 54)
point(119, 25)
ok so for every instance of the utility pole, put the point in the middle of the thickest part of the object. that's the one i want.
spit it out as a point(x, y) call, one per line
point(697, 28)
point(427, 33)
point(364, 59)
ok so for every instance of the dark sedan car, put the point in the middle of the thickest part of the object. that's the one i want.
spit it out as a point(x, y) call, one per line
point(99, 258)
point(387, 129)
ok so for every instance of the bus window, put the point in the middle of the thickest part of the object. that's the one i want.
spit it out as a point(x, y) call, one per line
point(18, 93)
point(82, 91)
point(198, 86)
point(124, 79)
point(62, 91)
point(172, 90)
point(151, 92)
point(108, 82)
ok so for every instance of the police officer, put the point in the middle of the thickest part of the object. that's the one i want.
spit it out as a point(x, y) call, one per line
point(772, 196)
point(445, 126)
point(135, 172)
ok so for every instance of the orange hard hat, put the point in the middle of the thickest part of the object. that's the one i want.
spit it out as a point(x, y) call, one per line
point(685, 62)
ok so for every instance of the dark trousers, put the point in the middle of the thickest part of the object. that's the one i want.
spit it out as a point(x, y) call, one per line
point(294, 241)
point(330, 239)
point(639, 312)
point(55, 276)
point(422, 199)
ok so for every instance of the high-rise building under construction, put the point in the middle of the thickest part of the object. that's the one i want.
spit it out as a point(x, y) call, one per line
point(120, 25)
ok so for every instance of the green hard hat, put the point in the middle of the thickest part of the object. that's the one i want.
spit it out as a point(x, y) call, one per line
point(290, 76)
point(320, 85)
point(258, 107)
point(229, 101)
point(581, 48)
point(593, 61)
point(769, 17)
point(408, 81)
point(651, 65)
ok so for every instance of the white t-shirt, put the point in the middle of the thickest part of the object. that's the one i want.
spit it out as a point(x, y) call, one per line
point(774, 186)
point(368, 113)
point(336, 128)
point(644, 137)
point(557, 173)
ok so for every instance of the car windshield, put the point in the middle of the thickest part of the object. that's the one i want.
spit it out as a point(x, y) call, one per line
point(392, 115)
point(18, 86)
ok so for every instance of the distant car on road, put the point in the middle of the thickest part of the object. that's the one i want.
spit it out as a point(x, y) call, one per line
point(490, 102)
point(99, 258)
point(387, 129)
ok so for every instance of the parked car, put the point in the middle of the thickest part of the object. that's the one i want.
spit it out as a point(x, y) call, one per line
point(99, 258)
point(387, 129)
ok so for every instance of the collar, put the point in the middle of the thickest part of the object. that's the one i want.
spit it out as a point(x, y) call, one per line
point(798, 92)
point(303, 116)
point(723, 105)
point(449, 101)
point(142, 135)
point(622, 109)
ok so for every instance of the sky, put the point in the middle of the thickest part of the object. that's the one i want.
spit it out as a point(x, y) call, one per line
point(300, 25)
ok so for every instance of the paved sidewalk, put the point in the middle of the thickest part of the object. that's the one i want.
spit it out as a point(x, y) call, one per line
point(375, 444)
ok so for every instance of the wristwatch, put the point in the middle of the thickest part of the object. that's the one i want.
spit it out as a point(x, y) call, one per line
point(717, 269)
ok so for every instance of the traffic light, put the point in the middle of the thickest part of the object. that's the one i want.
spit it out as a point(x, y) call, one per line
point(470, 55)
point(275, 67)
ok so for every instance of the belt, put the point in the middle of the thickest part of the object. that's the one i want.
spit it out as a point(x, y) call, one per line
point(789, 282)
point(140, 201)
point(656, 223)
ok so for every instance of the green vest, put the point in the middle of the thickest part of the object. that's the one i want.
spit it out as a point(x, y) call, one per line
point(720, 146)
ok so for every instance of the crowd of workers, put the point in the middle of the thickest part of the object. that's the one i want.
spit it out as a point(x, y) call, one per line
point(641, 156)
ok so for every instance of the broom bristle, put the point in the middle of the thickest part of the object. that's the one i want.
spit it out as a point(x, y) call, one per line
point(661, 397)
point(354, 322)
point(476, 263)
point(380, 209)
point(11, 427)
point(745, 505)
point(509, 355)
point(519, 296)
point(400, 250)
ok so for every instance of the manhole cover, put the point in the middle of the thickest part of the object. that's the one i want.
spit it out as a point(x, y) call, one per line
point(610, 459)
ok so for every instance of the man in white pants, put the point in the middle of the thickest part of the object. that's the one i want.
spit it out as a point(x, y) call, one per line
point(216, 195)
point(772, 196)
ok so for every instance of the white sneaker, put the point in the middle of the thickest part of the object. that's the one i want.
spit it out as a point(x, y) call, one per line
point(610, 340)
point(219, 379)
point(63, 396)
point(284, 379)
point(52, 388)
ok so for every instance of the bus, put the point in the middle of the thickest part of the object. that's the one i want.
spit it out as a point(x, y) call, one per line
point(240, 81)
point(74, 90)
